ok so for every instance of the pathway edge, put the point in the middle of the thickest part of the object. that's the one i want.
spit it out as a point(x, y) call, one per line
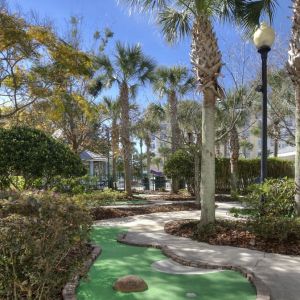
point(69, 290)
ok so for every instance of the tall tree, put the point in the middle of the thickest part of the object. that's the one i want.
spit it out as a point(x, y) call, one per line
point(183, 17)
point(294, 69)
point(232, 117)
point(129, 69)
point(190, 120)
point(282, 108)
point(112, 110)
point(173, 83)
point(147, 127)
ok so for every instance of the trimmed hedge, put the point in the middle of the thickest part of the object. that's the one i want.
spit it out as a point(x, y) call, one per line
point(180, 165)
point(249, 172)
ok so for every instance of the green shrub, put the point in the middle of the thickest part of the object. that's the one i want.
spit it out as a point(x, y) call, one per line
point(179, 165)
point(279, 197)
point(275, 218)
point(42, 242)
point(280, 229)
point(73, 185)
point(32, 154)
point(98, 198)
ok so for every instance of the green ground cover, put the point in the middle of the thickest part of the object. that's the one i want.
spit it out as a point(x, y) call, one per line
point(119, 260)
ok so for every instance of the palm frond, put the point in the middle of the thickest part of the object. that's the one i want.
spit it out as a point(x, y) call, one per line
point(145, 5)
point(133, 64)
point(175, 24)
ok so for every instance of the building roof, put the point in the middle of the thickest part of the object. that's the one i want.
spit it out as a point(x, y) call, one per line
point(91, 156)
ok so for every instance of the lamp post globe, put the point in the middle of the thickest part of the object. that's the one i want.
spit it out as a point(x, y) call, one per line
point(263, 39)
point(264, 36)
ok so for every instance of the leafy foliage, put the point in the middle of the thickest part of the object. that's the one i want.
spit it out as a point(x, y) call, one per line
point(275, 218)
point(179, 165)
point(276, 228)
point(279, 197)
point(42, 242)
point(71, 185)
point(98, 198)
point(32, 154)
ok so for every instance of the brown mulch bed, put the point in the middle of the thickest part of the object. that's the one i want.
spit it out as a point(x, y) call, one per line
point(102, 213)
point(232, 233)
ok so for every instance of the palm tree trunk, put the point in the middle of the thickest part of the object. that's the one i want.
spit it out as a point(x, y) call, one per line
point(197, 170)
point(125, 136)
point(207, 62)
point(207, 185)
point(141, 157)
point(218, 149)
point(276, 138)
point(175, 133)
point(297, 155)
point(114, 145)
point(225, 148)
point(148, 153)
point(234, 158)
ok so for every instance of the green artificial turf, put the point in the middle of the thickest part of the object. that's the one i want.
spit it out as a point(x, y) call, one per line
point(128, 202)
point(118, 260)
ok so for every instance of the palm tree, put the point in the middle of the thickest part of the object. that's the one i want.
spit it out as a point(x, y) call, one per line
point(282, 108)
point(232, 115)
point(173, 82)
point(112, 109)
point(190, 116)
point(294, 69)
point(194, 17)
point(148, 126)
point(129, 69)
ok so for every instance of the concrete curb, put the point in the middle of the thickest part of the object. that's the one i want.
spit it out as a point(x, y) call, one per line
point(69, 290)
point(262, 292)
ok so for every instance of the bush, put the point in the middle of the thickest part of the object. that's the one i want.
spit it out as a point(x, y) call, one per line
point(98, 198)
point(179, 165)
point(42, 242)
point(32, 154)
point(73, 185)
point(275, 218)
point(280, 229)
point(279, 198)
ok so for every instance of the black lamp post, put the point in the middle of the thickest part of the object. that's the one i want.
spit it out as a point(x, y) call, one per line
point(263, 39)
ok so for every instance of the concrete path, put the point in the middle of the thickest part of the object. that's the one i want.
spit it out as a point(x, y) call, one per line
point(280, 274)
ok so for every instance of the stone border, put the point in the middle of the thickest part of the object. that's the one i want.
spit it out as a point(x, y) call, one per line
point(262, 292)
point(69, 290)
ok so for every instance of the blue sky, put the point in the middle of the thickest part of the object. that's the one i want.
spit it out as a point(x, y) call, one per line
point(135, 28)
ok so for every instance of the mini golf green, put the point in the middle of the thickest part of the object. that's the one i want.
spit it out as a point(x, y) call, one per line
point(118, 260)
point(128, 202)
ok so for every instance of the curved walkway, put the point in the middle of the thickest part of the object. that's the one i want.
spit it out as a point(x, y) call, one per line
point(276, 274)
